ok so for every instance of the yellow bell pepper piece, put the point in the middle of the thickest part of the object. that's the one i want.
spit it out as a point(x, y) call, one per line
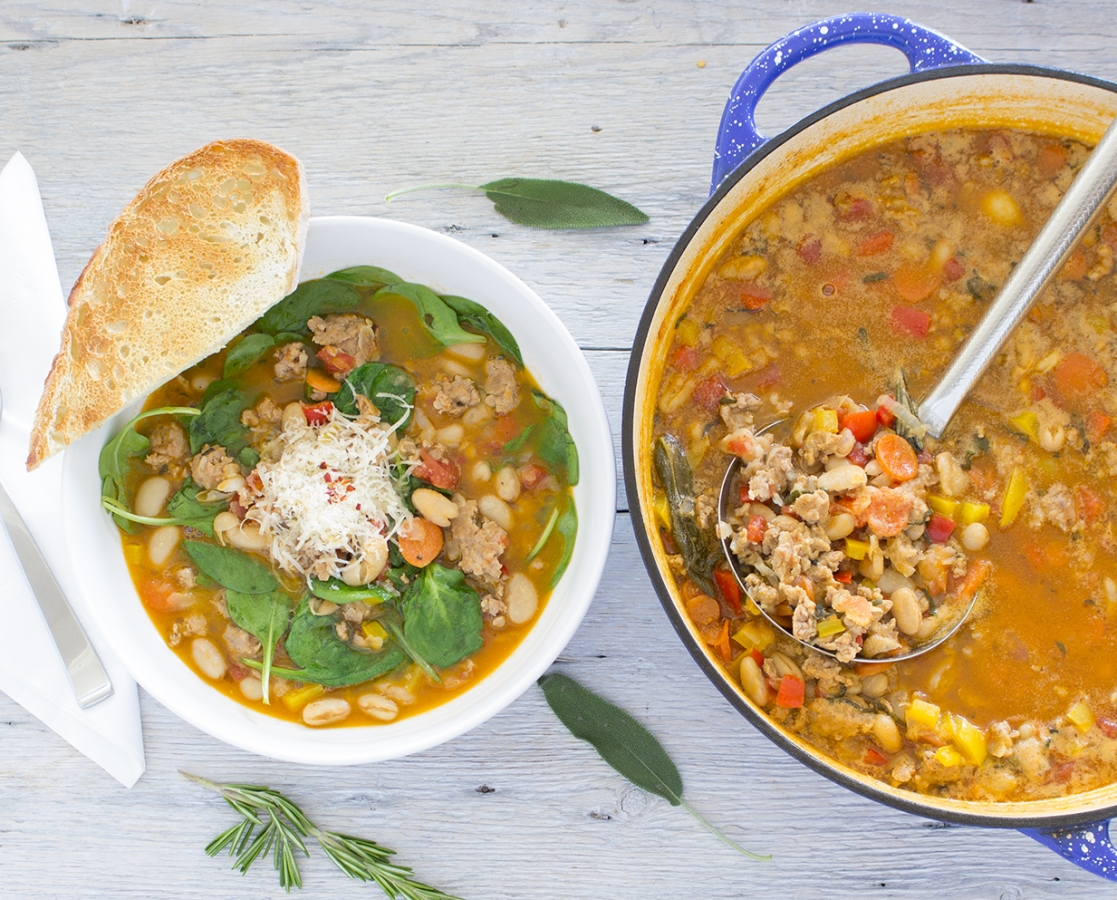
point(736, 362)
point(1027, 423)
point(755, 636)
point(300, 697)
point(831, 626)
point(1001, 208)
point(970, 740)
point(920, 712)
point(687, 332)
point(856, 549)
point(1082, 717)
point(662, 510)
point(948, 756)
point(825, 420)
point(970, 512)
point(413, 678)
point(1013, 500)
point(375, 633)
point(943, 505)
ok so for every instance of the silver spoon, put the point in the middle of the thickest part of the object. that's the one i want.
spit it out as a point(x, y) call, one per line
point(87, 676)
point(1091, 190)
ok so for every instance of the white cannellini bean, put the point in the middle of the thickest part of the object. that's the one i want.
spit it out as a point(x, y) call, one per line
point(891, 581)
point(162, 542)
point(952, 477)
point(906, 611)
point(434, 506)
point(784, 665)
point(471, 352)
point(451, 435)
point(840, 526)
point(836, 462)
point(151, 496)
point(508, 484)
point(482, 412)
point(887, 733)
point(246, 536)
point(368, 568)
point(873, 469)
point(521, 597)
point(482, 471)
point(252, 688)
point(1052, 438)
point(975, 536)
point(451, 367)
point(875, 685)
point(208, 658)
point(201, 381)
point(752, 680)
point(326, 711)
point(293, 416)
point(843, 479)
point(497, 510)
point(398, 693)
point(376, 705)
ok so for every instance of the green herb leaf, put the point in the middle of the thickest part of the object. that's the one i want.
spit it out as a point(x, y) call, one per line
point(517, 443)
point(980, 289)
point(698, 552)
point(231, 569)
point(546, 203)
point(244, 353)
point(248, 458)
point(265, 616)
point(309, 299)
point(553, 442)
point(339, 592)
point(624, 744)
point(390, 389)
point(474, 315)
point(186, 509)
point(219, 421)
point(393, 624)
point(440, 320)
point(442, 616)
point(323, 658)
point(365, 276)
point(568, 528)
point(876, 276)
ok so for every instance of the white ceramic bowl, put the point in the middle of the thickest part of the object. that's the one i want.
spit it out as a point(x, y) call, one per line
point(556, 362)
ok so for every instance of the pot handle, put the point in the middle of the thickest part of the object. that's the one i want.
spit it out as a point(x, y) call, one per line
point(1087, 846)
point(738, 135)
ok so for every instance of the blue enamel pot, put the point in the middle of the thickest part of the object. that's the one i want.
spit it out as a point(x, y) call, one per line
point(948, 87)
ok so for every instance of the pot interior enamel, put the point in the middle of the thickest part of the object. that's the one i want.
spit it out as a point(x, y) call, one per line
point(1023, 98)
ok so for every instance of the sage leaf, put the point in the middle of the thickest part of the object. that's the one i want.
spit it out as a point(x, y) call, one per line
point(438, 318)
point(698, 551)
point(365, 276)
point(230, 568)
point(474, 315)
point(624, 744)
point(264, 616)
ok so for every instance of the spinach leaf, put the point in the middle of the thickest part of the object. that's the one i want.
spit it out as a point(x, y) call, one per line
point(365, 276)
point(390, 388)
point(393, 624)
point(245, 353)
point(475, 316)
point(323, 658)
point(339, 592)
point(231, 569)
point(114, 461)
point(439, 319)
point(186, 509)
point(442, 616)
point(219, 420)
point(568, 528)
point(309, 299)
point(517, 443)
point(263, 615)
point(400, 572)
point(553, 442)
point(248, 458)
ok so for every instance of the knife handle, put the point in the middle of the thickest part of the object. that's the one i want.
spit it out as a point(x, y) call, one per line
point(90, 681)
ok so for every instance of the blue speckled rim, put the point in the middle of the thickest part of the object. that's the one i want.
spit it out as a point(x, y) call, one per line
point(1054, 831)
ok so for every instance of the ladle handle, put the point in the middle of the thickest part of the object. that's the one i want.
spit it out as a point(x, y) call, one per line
point(1088, 194)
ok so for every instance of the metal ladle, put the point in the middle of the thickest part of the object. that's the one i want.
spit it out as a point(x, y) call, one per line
point(1090, 191)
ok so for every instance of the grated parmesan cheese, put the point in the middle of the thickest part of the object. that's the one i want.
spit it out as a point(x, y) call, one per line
point(331, 495)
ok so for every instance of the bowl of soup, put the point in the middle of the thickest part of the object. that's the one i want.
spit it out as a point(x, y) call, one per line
point(367, 524)
point(841, 262)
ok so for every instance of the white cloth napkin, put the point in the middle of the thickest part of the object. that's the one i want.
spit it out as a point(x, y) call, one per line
point(32, 311)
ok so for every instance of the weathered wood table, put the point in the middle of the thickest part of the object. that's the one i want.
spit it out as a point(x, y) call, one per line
point(625, 95)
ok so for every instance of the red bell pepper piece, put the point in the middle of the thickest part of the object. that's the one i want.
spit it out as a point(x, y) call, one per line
point(790, 694)
point(862, 424)
point(319, 413)
point(940, 528)
point(912, 321)
point(756, 529)
point(729, 589)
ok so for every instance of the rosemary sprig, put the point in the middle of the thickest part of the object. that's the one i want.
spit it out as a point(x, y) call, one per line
point(271, 823)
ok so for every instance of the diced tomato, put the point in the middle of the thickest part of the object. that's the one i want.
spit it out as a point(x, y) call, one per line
point(873, 757)
point(940, 528)
point(1038, 393)
point(729, 589)
point(885, 416)
point(790, 695)
point(908, 320)
point(858, 456)
point(740, 446)
point(844, 576)
point(863, 424)
point(1088, 502)
point(685, 358)
point(757, 657)
point(1078, 377)
point(442, 473)
point(318, 413)
point(744, 495)
point(1051, 158)
point(506, 429)
point(708, 394)
point(876, 243)
point(335, 361)
point(531, 475)
point(1097, 424)
point(953, 269)
point(754, 297)
point(756, 529)
point(1108, 727)
point(810, 249)
point(852, 209)
point(156, 594)
point(771, 378)
point(238, 672)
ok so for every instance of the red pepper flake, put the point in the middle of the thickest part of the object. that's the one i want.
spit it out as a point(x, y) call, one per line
point(321, 465)
point(327, 476)
point(358, 507)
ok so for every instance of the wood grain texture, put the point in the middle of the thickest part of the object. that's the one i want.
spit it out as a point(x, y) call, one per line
point(374, 97)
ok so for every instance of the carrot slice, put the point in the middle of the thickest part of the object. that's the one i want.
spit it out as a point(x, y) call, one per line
point(916, 282)
point(420, 541)
point(896, 457)
point(1078, 377)
point(888, 513)
point(320, 381)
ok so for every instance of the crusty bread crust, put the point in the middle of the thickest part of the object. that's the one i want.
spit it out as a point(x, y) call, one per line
point(208, 245)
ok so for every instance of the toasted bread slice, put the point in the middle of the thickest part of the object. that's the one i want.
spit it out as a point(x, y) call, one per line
point(208, 245)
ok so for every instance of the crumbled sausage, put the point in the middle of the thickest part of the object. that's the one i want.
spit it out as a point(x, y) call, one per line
point(480, 540)
point(348, 333)
point(290, 362)
point(211, 467)
point(169, 449)
point(240, 642)
point(187, 627)
point(454, 396)
point(739, 413)
point(263, 420)
point(494, 610)
point(501, 391)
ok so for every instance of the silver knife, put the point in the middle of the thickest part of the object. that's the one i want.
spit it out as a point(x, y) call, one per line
point(87, 675)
